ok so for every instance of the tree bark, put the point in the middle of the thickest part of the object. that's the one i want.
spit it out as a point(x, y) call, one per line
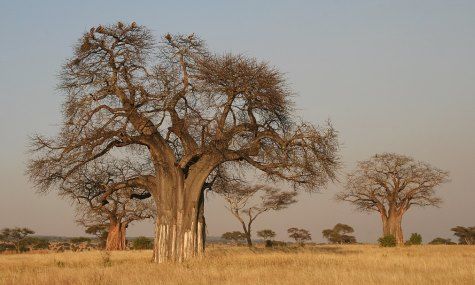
point(180, 225)
point(116, 236)
point(201, 226)
point(392, 225)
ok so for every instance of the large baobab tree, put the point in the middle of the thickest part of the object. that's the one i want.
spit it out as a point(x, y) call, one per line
point(390, 184)
point(115, 213)
point(187, 111)
point(240, 196)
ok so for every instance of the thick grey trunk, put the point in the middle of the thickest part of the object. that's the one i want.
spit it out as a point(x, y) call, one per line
point(180, 224)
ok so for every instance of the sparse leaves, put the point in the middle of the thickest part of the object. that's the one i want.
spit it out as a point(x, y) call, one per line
point(299, 235)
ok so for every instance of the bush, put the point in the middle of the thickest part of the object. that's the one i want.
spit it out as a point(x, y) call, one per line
point(142, 243)
point(440, 240)
point(387, 241)
point(415, 239)
point(77, 240)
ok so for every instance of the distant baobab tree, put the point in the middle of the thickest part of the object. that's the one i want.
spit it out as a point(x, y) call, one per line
point(113, 214)
point(186, 110)
point(240, 196)
point(390, 184)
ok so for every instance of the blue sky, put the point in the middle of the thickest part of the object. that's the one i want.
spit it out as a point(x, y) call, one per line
point(394, 76)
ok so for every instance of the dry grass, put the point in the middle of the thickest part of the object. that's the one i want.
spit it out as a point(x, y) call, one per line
point(355, 264)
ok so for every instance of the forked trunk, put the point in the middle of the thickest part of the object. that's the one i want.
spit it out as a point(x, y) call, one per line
point(116, 237)
point(180, 224)
point(247, 233)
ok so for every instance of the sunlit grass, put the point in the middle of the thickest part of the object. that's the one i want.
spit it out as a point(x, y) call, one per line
point(354, 264)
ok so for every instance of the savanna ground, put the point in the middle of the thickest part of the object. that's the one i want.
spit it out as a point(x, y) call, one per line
point(324, 264)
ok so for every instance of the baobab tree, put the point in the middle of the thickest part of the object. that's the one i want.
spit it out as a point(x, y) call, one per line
point(187, 111)
point(113, 214)
point(240, 199)
point(390, 184)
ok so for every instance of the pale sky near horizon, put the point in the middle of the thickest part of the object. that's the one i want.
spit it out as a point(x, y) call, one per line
point(393, 76)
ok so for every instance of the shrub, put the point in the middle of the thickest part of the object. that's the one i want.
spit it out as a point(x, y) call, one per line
point(440, 240)
point(415, 239)
point(142, 243)
point(77, 240)
point(387, 241)
point(235, 236)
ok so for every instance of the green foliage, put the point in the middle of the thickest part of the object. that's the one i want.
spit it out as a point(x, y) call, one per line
point(339, 234)
point(236, 236)
point(6, 246)
point(440, 240)
point(266, 234)
point(466, 235)
point(387, 241)
point(275, 243)
point(15, 236)
point(299, 235)
point(415, 239)
point(77, 240)
point(142, 243)
point(34, 243)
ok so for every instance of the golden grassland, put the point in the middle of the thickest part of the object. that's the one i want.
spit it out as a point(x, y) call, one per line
point(323, 264)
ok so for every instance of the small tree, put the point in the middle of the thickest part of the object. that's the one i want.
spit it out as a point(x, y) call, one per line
point(415, 239)
point(32, 243)
point(267, 235)
point(387, 241)
point(466, 235)
point(235, 236)
point(101, 233)
point(238, 196)
point(142, 243)
point(15, 236)
point(339, 234)
point(440, 240)
point(299, 235)
point(390, 184)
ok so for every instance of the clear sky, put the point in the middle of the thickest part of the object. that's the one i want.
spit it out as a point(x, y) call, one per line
point(395, 76)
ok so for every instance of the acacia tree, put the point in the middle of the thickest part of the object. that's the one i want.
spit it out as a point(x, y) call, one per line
point(299, 235)
point(187, 111)
point(266, 234)
point(466, 235)
point(390, 184)
point(113, 214)
point(339, 234)
point(236, 236)
point(15, 236)
point(239, 195)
